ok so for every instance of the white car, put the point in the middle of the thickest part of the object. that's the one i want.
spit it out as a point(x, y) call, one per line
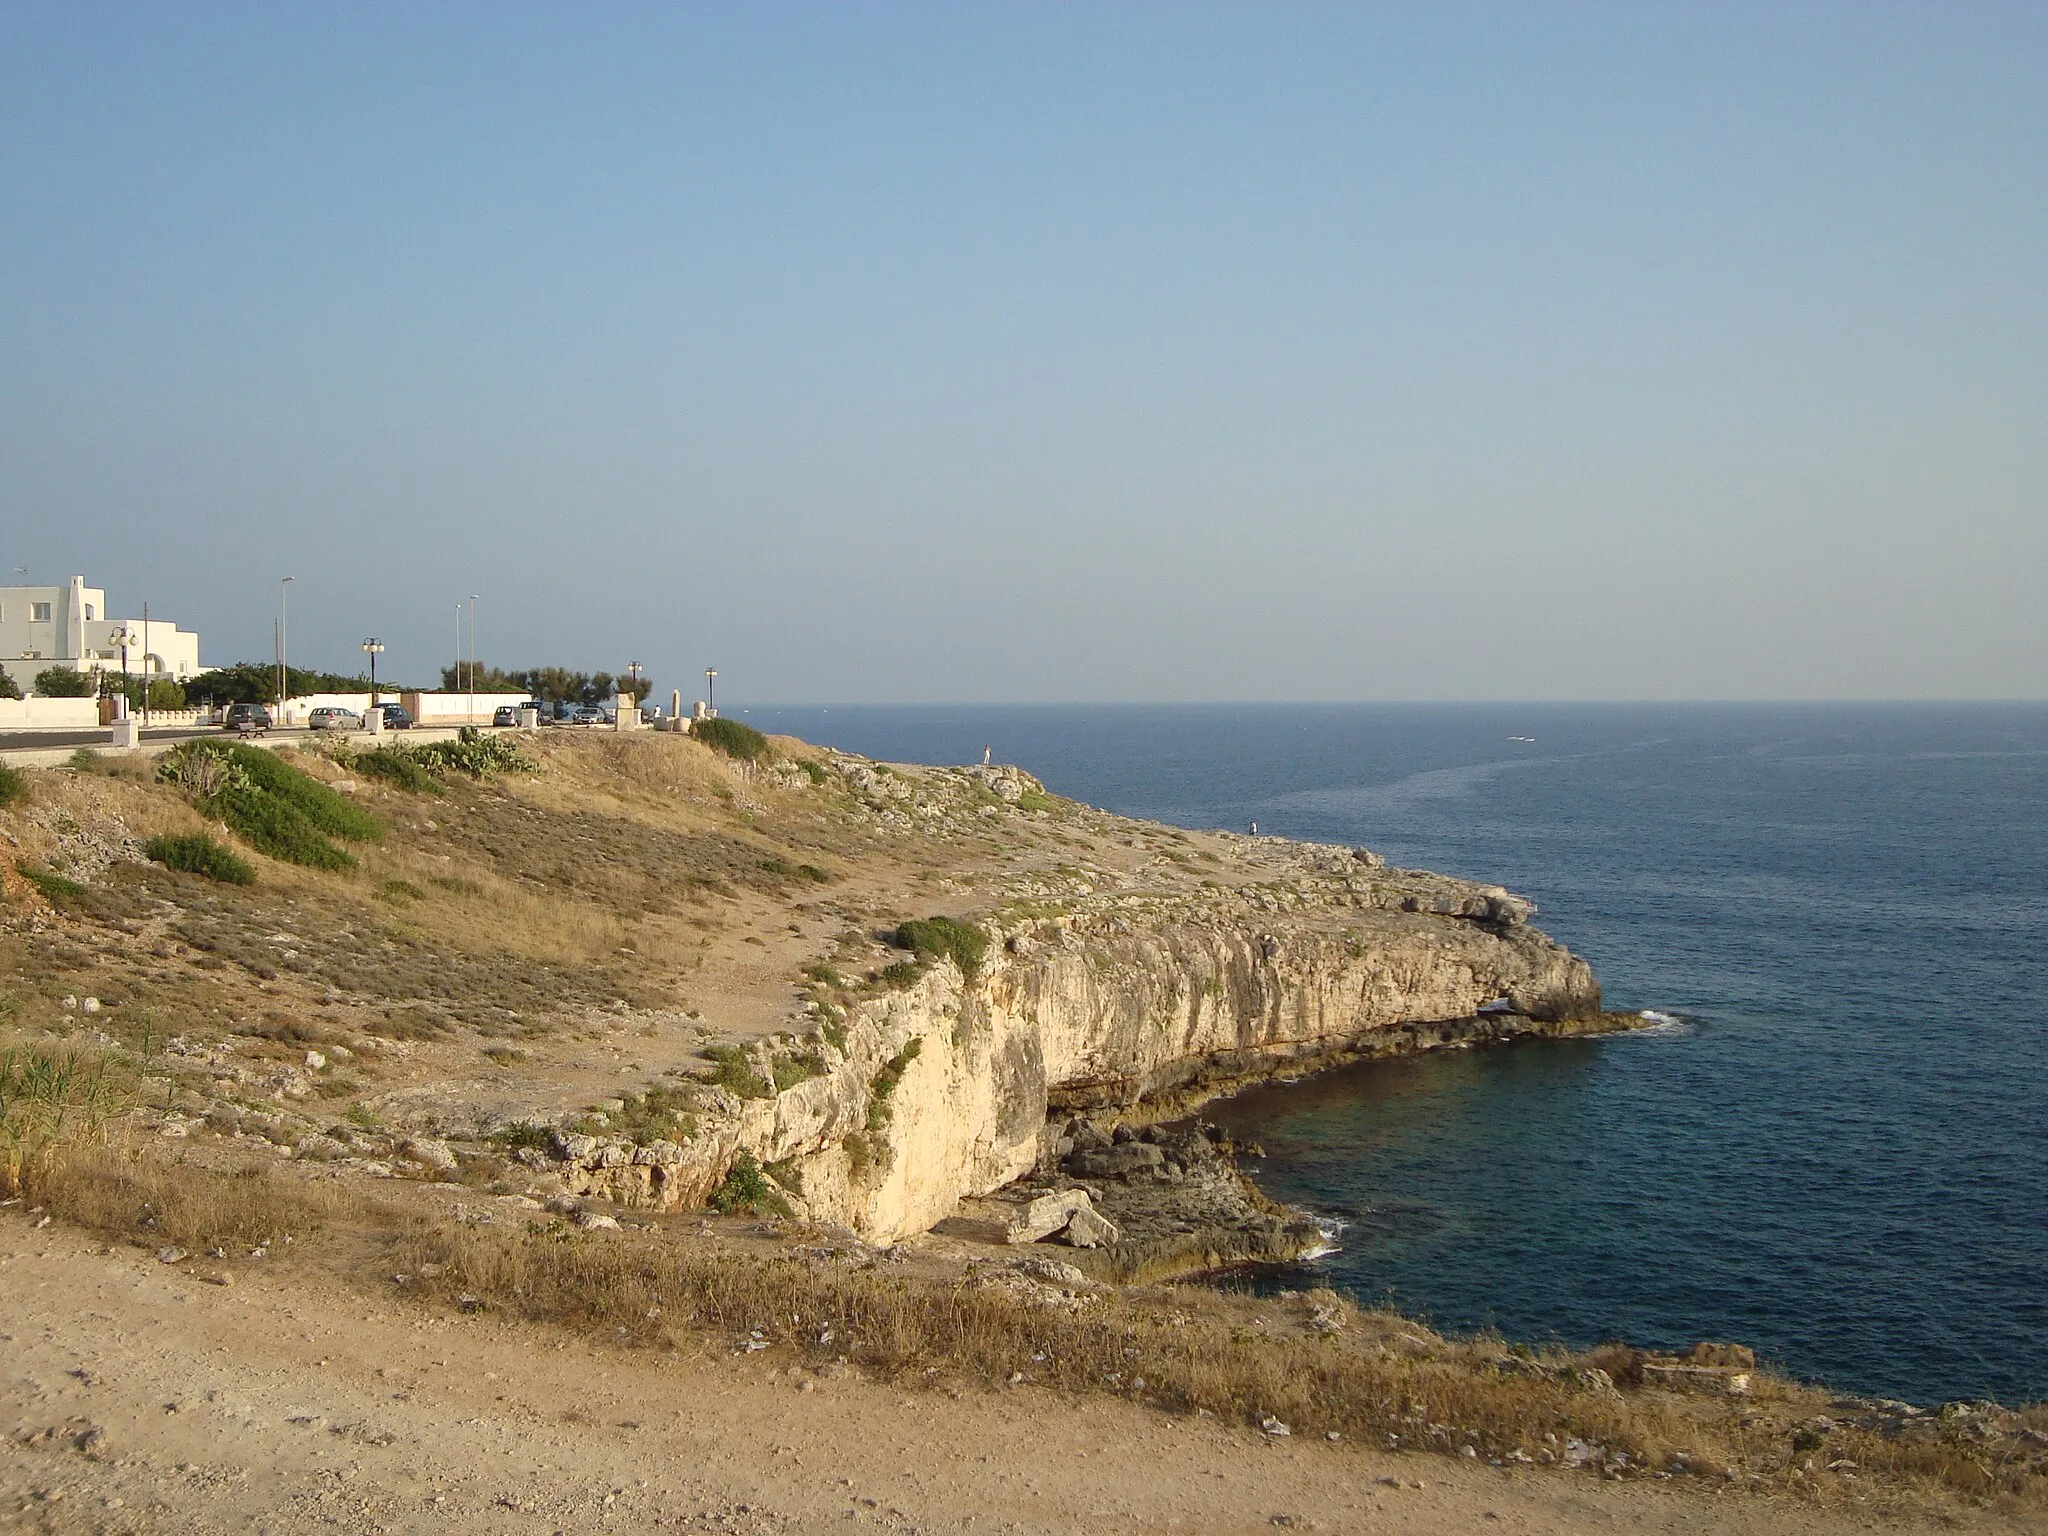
point(333, 718)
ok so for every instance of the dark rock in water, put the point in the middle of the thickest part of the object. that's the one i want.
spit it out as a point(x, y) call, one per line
point(1176, 1203)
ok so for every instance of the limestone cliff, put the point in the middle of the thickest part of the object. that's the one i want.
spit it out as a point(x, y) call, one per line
point(1116, 1000)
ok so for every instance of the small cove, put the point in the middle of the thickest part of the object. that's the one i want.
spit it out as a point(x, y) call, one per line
point(1837, 1153)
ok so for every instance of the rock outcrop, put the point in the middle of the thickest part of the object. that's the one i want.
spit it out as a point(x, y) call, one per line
point(942, 1089)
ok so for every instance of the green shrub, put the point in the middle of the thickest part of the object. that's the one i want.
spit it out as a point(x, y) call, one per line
point(860, 1154)
point(62, 682)
point(13, 786)
point(474, 753)
point(814, 771)
point(931, 938)
point(791, 1070)
point(275, 827)
point(885, 1082)
point(56, 890)
point(269, 804)
point(902, 975)
point(731, 738)
point(733, 1072)
point(745, 1190)
point(396, 766)
point(195, 853)
point(326, 810)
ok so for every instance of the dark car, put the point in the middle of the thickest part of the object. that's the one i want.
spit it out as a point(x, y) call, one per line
point(248, 719)
point(395, 717)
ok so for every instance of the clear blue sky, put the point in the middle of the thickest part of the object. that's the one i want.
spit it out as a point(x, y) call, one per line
point(988, 352)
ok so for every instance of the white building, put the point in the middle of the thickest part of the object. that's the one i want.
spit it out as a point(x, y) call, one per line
point(42, 627)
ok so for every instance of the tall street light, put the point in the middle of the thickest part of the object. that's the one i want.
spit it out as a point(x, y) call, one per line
point(472, 653)
point(373, 648)
point(711, 691)
point(284, 587)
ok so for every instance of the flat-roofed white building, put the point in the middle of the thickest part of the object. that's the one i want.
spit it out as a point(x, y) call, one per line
point(68, 626)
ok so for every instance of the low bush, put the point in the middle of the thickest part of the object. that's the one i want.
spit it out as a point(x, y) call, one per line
point(732, 738)
point(56, 890)
point(884, 1085)
point(269, 804)
point(395, 766)
point(194, 853)
point(733, 1071)
point(791, 1070)
point(13, 786)
point(476, 754)
point(746, 1190)
point(931, 938)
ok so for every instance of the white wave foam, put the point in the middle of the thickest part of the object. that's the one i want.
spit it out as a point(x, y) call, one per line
point(1661, 1025)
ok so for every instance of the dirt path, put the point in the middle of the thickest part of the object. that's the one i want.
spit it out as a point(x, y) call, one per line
point(135, 1397)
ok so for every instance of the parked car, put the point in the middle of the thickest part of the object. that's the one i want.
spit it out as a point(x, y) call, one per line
point(331, 717)
point(247, 719)
point(504, 714)
point(395, 717)
point(586, 714)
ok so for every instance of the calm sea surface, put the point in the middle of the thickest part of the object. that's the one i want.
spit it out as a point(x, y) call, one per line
point(1838, 1153)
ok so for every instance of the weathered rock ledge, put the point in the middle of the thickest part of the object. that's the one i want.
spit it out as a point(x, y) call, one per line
point(1128, 1003)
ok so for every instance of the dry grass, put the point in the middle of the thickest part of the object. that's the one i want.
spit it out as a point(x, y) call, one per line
point(1373, 1378)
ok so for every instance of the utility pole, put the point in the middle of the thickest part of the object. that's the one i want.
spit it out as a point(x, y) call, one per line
point(472, 657)
point(284, 587)
point(145, 666)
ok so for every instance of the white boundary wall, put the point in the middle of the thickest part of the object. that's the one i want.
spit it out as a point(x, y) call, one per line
point(49, 714)
point(458, 708)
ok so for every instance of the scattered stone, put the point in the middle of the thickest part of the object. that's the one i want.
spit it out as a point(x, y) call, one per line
point(315, 1061)
point(170, 1253)
point(597, 1221)
point(1043, 1213)
point(1087, 1228)
point(434, 1155)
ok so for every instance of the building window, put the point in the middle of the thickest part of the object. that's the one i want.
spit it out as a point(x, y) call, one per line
point(39, 613)
point(88, 611)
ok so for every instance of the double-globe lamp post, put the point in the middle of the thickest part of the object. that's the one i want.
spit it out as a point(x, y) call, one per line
point(372, 648)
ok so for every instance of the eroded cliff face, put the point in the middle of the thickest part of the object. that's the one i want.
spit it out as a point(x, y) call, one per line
point(942, 1089)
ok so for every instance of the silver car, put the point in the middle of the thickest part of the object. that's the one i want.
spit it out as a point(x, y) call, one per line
point(329, 717)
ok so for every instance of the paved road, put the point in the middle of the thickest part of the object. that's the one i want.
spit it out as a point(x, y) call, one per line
point(33, 741)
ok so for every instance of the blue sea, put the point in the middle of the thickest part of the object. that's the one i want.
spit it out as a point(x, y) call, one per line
point(1835, 1151)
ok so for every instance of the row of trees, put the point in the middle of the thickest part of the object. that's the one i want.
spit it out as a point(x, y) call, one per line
point(61, 682)
point(551, 685)
point(255, 682)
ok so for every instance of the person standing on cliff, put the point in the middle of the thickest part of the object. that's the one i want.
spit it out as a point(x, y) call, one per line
point(984, 755)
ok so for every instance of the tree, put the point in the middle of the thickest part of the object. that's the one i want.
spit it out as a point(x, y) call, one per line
point(255, 682)
point(9, 688)
point(164, 692)
point(481, 679)
point(61, 682)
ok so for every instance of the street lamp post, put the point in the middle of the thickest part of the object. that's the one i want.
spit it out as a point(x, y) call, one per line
point(711, 692)
point(373, 648)
point(284, 587)
point(471, 706)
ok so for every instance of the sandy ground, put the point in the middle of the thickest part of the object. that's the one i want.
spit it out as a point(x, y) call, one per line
point(137, 1397)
